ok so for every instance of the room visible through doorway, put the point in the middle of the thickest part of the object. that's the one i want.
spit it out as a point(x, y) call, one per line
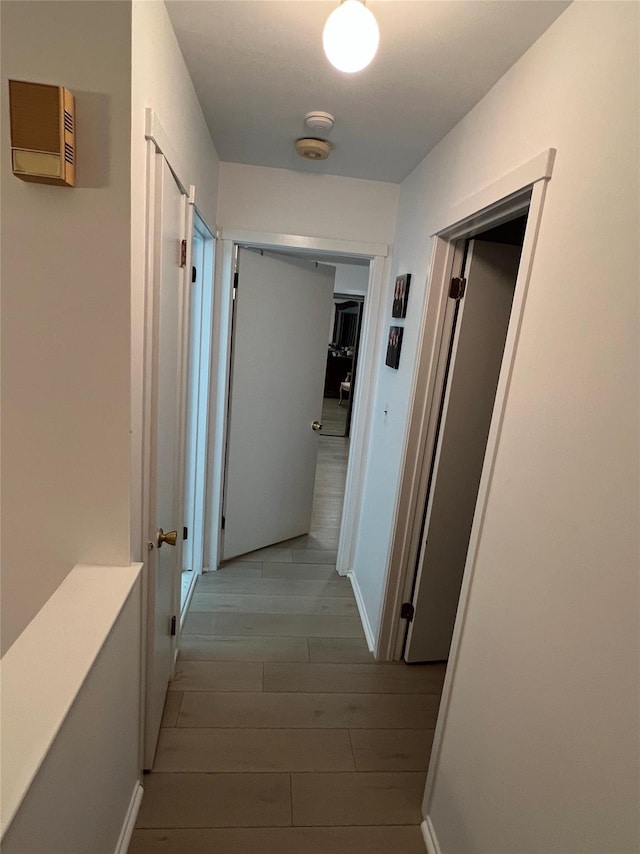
point(342, 360)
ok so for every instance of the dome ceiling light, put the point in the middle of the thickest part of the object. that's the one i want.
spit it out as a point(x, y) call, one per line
point(313, 149)
point(351, 36)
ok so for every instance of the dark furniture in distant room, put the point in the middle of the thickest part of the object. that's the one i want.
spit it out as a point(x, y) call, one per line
point(337, 368)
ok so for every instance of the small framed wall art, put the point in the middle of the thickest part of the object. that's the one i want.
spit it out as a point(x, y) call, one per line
point(394, 345)
point(401, 295)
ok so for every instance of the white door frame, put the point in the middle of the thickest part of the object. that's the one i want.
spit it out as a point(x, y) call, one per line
point(523, 188)
point(377, 254)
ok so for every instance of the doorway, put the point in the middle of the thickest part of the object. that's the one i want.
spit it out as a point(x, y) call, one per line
point(342, 359)
point(283, 304)
point(200, 310)
point(281, 311)
point(469, 364)
point(518, 193)
point(330, 251)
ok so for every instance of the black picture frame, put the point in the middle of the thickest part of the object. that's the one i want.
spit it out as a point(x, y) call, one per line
point(401, 295)
point(394, 345)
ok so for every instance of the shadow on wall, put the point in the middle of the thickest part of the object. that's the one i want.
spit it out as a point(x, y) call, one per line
point(93, 122)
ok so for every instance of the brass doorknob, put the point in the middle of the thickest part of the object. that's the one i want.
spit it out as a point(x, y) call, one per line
point(170, 538)
point(316, 426)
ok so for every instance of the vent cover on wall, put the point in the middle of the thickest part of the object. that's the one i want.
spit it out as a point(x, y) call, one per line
point(313, 149)
point(42, 133)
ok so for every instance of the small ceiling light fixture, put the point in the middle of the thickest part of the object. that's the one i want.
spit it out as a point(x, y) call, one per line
point(313, 149)
point(351, 36)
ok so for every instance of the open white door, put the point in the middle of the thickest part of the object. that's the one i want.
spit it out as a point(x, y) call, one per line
point(474, 367)
point(198, 383)
point(165, 498)
point(280, 339)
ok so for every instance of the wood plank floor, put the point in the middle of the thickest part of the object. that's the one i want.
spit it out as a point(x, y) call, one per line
point(334, 416)
point(280, 732)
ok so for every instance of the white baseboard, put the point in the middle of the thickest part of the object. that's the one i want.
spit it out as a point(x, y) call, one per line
point(130, 820)
point(364, 617)
point(429, 836)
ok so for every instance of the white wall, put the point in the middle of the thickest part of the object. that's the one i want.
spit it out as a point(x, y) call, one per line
point(80, 797)
point(351, 279)
point(540, 746)
point(260, 198)
point(160, 80)
point(65, 317)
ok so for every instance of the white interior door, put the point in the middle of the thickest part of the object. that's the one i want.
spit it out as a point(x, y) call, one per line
point(165, 510)
point(476, 359)
point(282, 311)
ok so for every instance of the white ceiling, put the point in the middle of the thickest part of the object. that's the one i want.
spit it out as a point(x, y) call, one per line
point(258, 67)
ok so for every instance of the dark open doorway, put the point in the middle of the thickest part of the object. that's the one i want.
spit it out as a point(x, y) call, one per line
point(342, 357)
point(470, 362)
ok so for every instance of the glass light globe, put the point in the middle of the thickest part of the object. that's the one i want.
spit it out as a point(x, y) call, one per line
point(350, 37)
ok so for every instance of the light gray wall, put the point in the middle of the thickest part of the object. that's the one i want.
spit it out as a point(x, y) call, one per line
point(260, 198)
point(540, 745)
point(351, 279)
point(80, 797)
point(65, 311)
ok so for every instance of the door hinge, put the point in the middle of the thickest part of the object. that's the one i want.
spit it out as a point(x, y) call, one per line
point(185, 533)
point(457, 288)
point(194, 274)
point(235, 281)
point(407, 611)
point(173, 626)
point(183, 253)
point(223, 522)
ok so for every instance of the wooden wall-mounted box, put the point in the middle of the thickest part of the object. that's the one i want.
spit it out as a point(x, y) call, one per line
point(43, 147)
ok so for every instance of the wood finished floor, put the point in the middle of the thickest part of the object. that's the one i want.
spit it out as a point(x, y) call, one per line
point(280, 733)
point(334, 416)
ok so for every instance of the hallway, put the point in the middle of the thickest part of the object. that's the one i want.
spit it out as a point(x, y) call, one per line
point(280, 732)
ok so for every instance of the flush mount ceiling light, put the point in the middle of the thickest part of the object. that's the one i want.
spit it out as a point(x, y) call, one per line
point(313, 149)
point(351, 36)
